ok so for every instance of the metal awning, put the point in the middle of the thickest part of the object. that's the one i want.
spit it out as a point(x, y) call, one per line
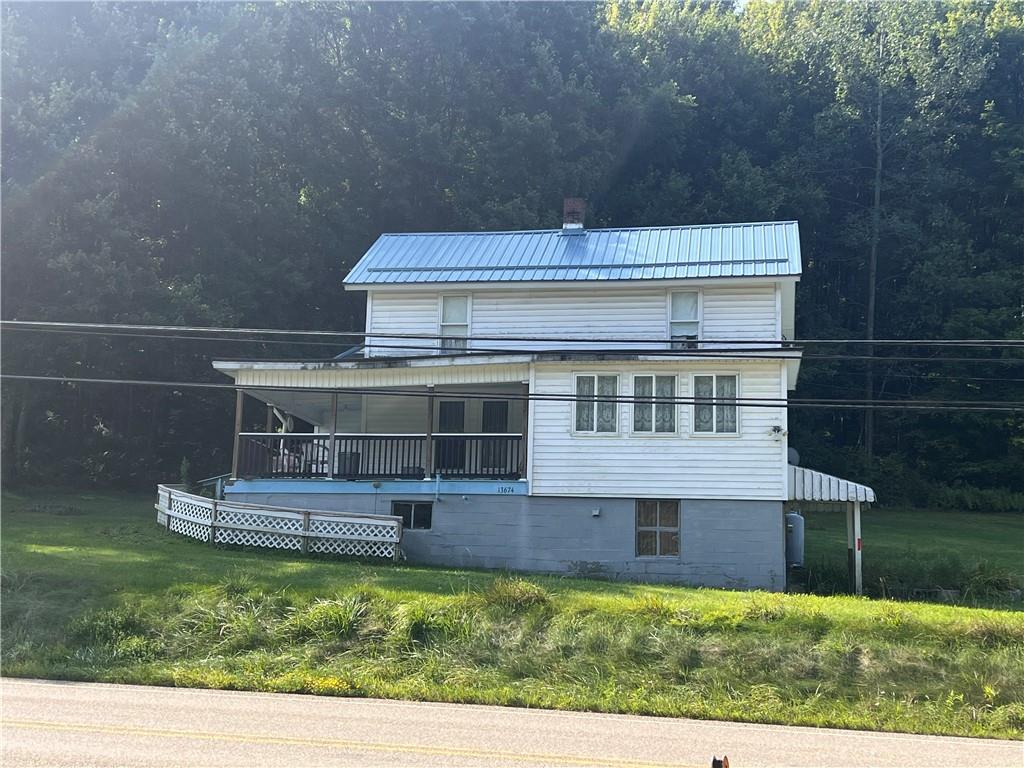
point(808, 485)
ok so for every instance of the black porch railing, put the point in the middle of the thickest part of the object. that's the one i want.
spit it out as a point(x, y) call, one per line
point(372, 457)
point(467, 456)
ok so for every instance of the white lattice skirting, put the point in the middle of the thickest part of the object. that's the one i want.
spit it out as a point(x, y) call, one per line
point(299, 530)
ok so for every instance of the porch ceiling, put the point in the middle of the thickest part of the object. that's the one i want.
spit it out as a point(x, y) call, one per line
point(337, 377)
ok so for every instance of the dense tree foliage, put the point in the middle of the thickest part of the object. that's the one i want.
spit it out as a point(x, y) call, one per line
point(224, 164)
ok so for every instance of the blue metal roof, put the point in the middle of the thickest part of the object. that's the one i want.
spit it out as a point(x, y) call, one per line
point(640, 253)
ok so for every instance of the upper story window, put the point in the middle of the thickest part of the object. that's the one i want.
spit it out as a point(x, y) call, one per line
point(684, 319)
point(715, 416)
point(649, 416)
point(591, 413)
point(454, 322)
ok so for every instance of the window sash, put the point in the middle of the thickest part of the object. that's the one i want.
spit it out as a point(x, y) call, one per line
point(650, 417)
point(454, 336)
point(454, 322)
point(657, 528)
point(416, 515)
point(590, 415)
point(455, 309)
point(713, 417)
point(684, 319)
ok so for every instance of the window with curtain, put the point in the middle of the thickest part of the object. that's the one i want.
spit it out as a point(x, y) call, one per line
point(684, 320)
point(454, 322)
point(717, 415)
point(657, 528)
point(591, 415)
point(650, 416)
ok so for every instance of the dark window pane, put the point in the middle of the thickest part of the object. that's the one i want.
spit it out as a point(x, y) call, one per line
point(423, 517)
point(403, 510)
point(607, 413)
point(584, 408)
point(669, 542)
point(646, 513)
point(668, 514)
point(646, 543)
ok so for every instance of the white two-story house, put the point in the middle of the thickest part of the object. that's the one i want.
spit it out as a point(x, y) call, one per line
point(604, 402)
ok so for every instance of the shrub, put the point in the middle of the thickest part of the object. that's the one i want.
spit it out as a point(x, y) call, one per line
point(327, 620)
point(515, 594)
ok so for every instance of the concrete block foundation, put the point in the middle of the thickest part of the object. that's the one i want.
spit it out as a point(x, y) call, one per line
point(732, 544)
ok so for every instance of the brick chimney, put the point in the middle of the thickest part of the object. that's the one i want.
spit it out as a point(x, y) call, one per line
point(573, 210)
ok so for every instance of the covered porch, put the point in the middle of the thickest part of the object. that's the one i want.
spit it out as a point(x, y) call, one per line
point(450, 431)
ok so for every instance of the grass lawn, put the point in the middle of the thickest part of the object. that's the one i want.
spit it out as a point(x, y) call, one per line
point(94, 590)
point(979, 554)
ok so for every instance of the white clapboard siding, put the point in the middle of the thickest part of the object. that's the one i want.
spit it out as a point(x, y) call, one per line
point(749, 466)
point(620, 313)
point(745, 311)
point(399, 313)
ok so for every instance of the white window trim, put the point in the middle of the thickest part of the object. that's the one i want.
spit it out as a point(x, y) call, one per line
point(632, 405)
point(441, 324)
point(618, 405)
point(679, 532)
point(700, 313)
point(693, 407)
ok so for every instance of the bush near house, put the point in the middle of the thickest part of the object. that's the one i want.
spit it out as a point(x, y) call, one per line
point(94, 590)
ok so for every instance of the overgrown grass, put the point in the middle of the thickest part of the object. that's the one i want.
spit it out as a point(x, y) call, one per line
point(106, 595)
point(909, 552)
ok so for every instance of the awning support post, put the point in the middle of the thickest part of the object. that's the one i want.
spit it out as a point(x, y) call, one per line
point(853, 547)
point(239, 403)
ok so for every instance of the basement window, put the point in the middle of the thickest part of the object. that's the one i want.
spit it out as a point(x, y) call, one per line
point(657, 527)
point(416, 515)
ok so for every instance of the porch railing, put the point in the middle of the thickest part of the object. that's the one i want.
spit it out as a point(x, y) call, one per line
point(391, 456)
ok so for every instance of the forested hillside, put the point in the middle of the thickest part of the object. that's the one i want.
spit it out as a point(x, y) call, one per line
point(225, 164)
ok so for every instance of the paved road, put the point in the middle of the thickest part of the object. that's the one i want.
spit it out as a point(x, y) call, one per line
point(88, 724)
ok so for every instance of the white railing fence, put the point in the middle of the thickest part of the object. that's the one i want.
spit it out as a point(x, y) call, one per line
point(258, 525)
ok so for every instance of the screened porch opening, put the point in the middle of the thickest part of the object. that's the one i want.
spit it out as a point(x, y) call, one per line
point(408, 434)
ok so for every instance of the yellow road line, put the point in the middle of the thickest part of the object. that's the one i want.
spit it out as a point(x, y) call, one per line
point(359, 746)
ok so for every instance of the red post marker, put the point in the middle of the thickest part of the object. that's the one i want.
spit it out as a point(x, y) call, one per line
point(858, 543)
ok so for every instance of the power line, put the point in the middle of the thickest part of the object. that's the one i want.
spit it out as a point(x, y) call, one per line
point(73, 332)
point(742, 353)
point(953, 405)
point(40, 325)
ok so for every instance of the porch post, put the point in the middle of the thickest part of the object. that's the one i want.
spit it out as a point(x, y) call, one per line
point(428, 451)
point(239, 403)
point(853, 548)
point(525, 441)
point(270, 419)
point(331, 447)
